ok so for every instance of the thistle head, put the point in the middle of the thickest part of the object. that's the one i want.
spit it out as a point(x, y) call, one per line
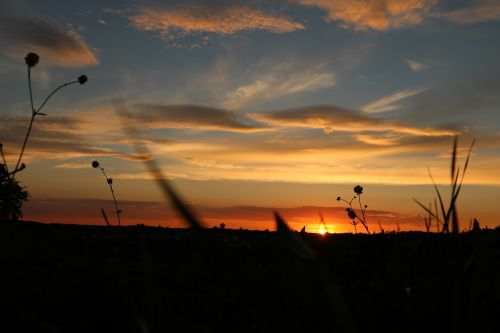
point(82, 79)
point(31, 59)
point(95, 164)
point(110, 181)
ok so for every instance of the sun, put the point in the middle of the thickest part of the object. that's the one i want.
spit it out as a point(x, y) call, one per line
point(322, 229)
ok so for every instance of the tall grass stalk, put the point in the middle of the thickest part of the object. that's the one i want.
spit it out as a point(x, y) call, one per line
point(450, 214)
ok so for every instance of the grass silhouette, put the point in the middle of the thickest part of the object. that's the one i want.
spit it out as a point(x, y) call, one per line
point(449, 214)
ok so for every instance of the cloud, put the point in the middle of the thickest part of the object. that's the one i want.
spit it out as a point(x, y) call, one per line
point(387, 103)
point(55, 46)
point(281, 81)
point(333, 118)
point(378, 15)
point(213, 18)
point(191, 117)
point(415, 66)
point(56, 138)
point(72, 165)
point(480, 11)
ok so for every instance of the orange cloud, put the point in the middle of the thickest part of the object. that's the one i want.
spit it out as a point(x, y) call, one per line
point(56, 47)
point(223, 20)
point(333, 118)
point(57, 138)
point(190, 116)
point(373, 14)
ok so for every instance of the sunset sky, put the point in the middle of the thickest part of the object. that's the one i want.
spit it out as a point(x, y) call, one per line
point(250, 106)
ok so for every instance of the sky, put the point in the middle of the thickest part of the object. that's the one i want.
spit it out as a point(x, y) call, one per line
point(254, 106)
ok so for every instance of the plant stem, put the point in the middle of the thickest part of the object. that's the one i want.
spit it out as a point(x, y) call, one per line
point(113, 194)
point(52, 93)
point(33, 115)
point(363, 222)
point(31, 93)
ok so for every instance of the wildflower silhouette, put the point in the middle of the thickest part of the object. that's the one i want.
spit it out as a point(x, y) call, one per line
point(13, 195)
point(351, 213)
point(96, 165)
point(32, 60)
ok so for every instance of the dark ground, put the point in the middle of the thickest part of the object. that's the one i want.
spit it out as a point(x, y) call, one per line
point(70, 278)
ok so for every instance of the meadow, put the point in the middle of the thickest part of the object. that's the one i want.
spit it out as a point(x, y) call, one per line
point(71, 278)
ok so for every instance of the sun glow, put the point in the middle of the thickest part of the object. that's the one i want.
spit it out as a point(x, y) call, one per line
point(322, 229)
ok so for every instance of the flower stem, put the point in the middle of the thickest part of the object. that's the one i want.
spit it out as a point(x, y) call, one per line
point(52, 93)
point(363, 222)
point(118, 211)
point(33, 115)
point(31, 93)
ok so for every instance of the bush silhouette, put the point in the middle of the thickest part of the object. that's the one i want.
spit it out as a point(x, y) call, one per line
point(12, 196)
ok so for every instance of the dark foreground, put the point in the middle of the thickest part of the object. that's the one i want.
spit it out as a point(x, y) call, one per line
point(68, 278)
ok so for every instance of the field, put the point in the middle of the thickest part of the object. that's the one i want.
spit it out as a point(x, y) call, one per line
point(71, 278)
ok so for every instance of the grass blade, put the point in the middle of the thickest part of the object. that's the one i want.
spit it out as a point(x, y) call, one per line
point(458, 188)
point(105, 216)
point(172, 195)
point(168, 190)
point(454, 157)
point(295, 243)
point(443, 211)
point(425, 208)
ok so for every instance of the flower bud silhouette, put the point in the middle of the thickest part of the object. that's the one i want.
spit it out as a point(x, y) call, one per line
point(358, 189)
point(31, 59)
point(82, 79)
point(95, 164)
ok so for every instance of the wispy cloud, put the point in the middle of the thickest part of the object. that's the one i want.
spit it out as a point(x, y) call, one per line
point(56, 46)
point(285, 79)
point(387, 103)
point(377, 15)
point(72, 165)
point(191, 117)
point(56, 138)
point(333, 118)
point(480, 11)
point(415, 65)
point(213, 18)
